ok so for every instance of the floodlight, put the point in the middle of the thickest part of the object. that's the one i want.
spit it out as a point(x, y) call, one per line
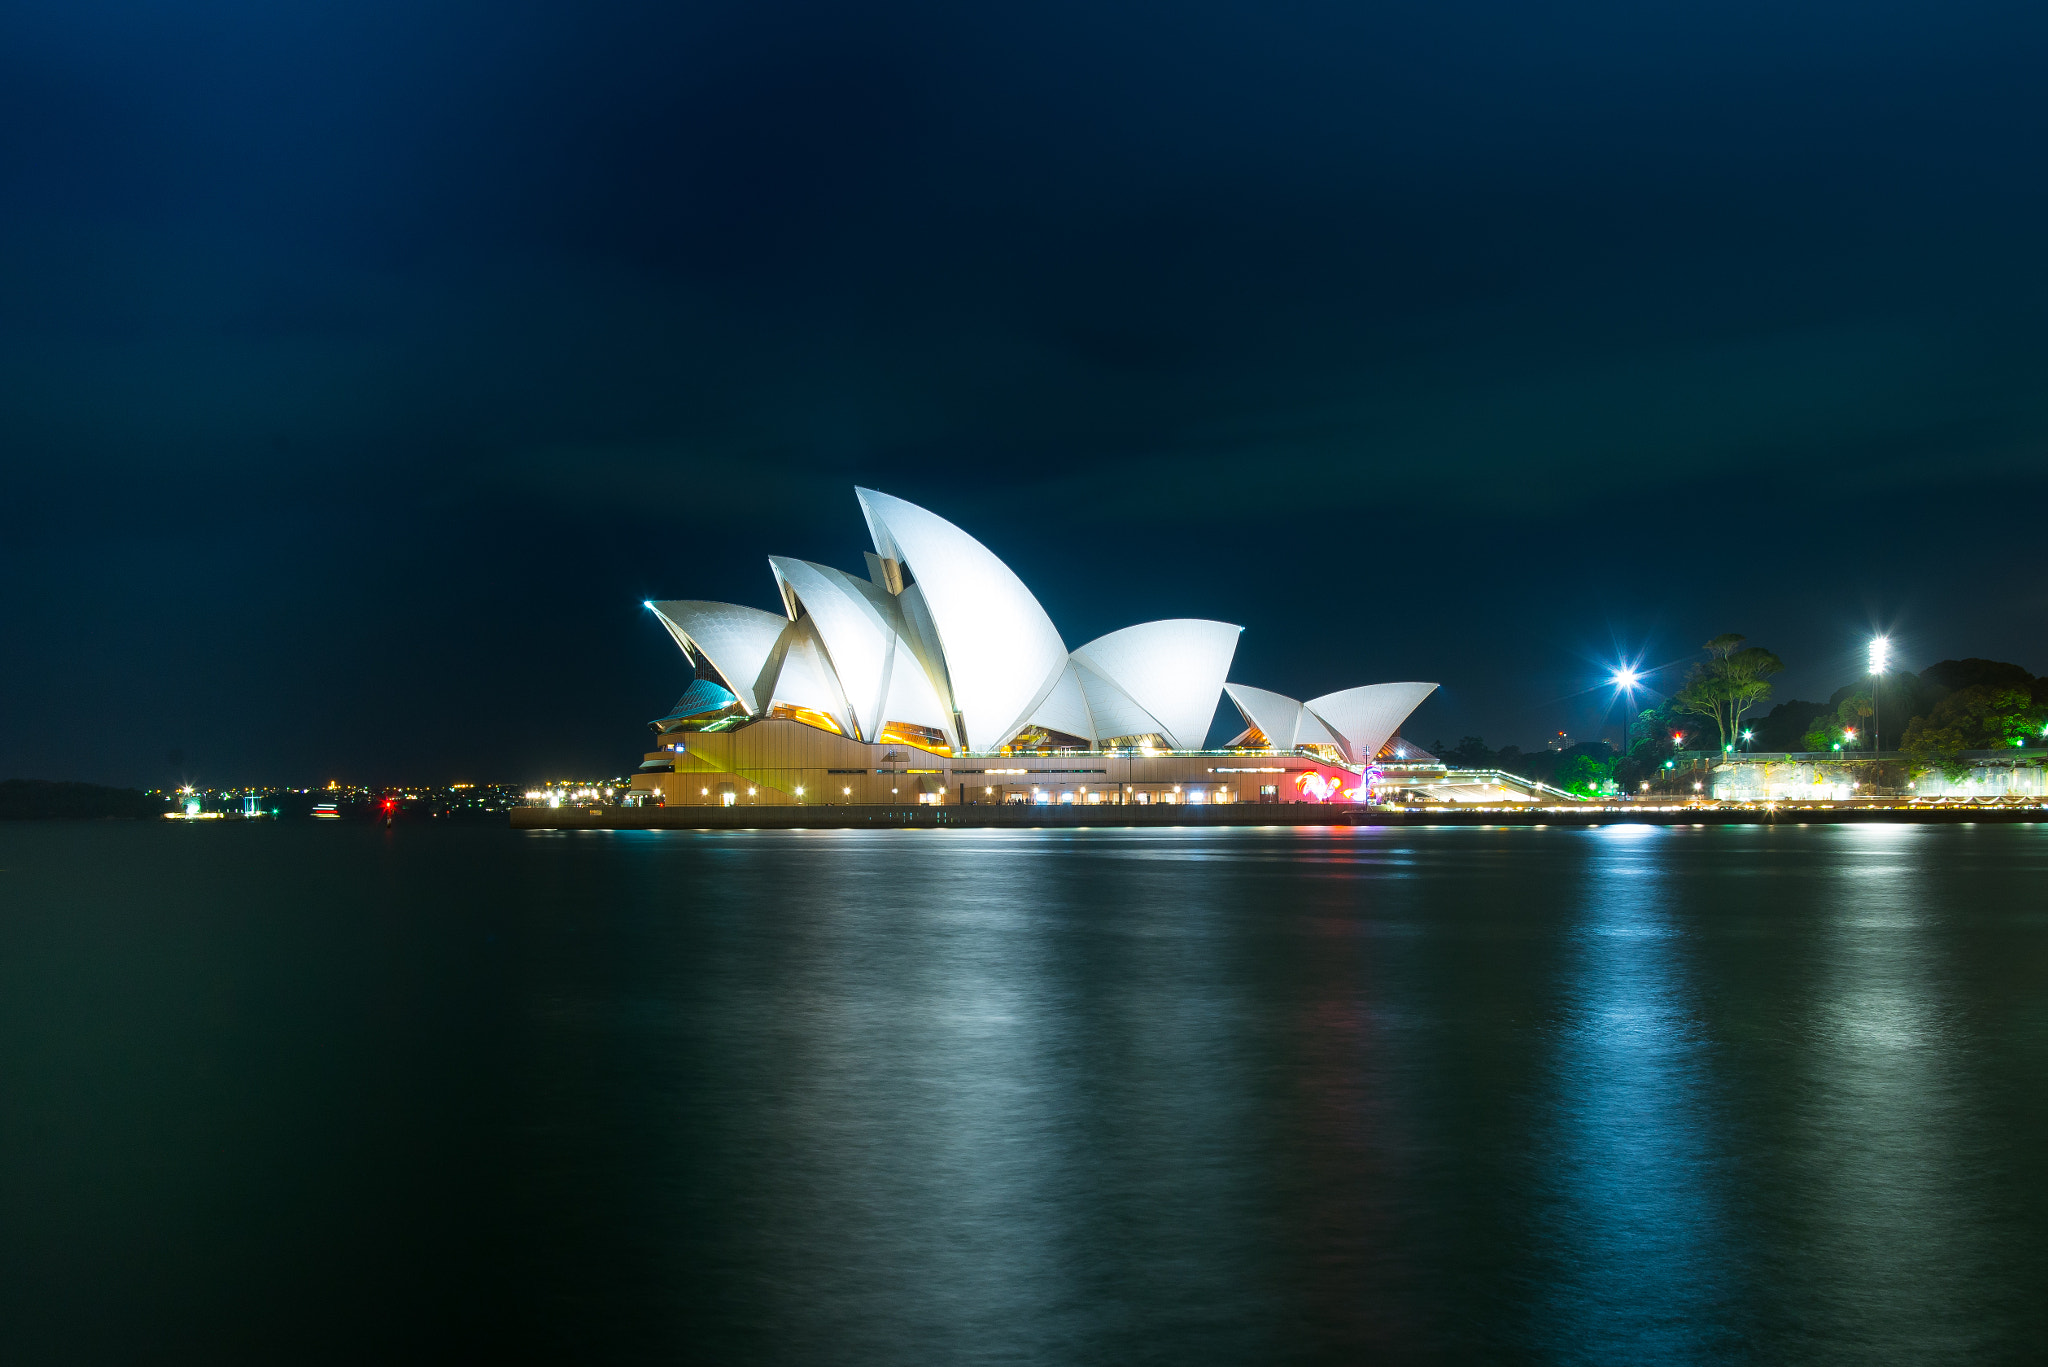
point(1880, 653)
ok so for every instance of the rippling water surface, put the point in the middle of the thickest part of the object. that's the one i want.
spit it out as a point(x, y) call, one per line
point(1625, 1094)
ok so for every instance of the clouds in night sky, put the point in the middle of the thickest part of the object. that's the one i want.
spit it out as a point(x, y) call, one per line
point(362, 367)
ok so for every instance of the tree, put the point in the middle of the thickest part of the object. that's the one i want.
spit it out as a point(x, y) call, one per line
point(1729, 684)
point(1950, 676)
point(1469, 753)
point(1979, 717)
point(1788, 723)
point(1829, 727)
point(1582, 775)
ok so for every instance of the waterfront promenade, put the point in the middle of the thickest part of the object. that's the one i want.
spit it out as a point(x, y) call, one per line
point(1044, 816)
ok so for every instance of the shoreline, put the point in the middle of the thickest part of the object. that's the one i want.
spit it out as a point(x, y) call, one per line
point(1292, 814)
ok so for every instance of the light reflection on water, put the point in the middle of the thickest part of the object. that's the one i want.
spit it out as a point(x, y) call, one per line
point(1886, 1112)
point(1640, 1267)
point(1622, 1094)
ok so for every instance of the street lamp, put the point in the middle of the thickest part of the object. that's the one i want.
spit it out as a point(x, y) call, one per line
point(1626, 679)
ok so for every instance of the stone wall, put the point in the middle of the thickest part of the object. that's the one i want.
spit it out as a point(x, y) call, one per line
point(1811, 778)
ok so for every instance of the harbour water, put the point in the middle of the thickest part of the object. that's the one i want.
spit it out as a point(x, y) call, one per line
point(1624, 1094)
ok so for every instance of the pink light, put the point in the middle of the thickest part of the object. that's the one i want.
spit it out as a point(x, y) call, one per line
point(1317, 788)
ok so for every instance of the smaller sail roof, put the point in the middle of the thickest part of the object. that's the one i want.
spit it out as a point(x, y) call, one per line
point(1066, 708)
point(1277, 716)
point(1172, 670)
point(1364, 717)
point(738, 641)
point(803, 677)
point(1357, 721)
point(854, 629)
point(700, 697)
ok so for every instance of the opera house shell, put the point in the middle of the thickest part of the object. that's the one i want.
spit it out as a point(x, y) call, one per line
point(903, 684)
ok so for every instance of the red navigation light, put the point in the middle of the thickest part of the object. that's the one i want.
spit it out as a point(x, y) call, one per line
point(390, 805)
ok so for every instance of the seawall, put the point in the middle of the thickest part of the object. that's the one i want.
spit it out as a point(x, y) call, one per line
point(1244, 814)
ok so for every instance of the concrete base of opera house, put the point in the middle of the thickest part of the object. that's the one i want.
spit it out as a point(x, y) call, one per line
point(1279, 814)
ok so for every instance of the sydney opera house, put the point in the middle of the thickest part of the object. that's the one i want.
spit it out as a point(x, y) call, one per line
point(938, 678)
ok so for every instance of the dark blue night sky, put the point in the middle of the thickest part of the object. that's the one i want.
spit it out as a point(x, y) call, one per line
point(363, 366)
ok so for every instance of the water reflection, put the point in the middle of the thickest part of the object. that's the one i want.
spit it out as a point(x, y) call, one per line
point(1005, 1103)
point(1751, 1094)
point(1892, 1223)
point(1638, 1259)
point(1632, 1094)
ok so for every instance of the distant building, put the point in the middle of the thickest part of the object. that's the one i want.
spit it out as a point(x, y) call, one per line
point(939, 679)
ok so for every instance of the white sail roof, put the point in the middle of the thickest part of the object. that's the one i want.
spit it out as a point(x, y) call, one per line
point(1116, 713)
point(861, 629)
point(1312, 730)
point(1363, 718)
point(1002, 653)
point(920, 638)
point(856, 633)
point(1173, 670)
point(738, 641)
point(1276, 715)
point(1289, 724)
point(803, 676)
point(1084, 703)
point(942, 634)
point(911, 697)
point(1066, 707)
